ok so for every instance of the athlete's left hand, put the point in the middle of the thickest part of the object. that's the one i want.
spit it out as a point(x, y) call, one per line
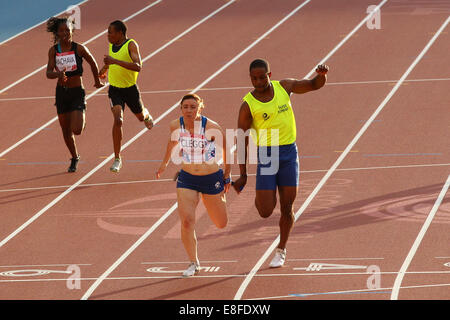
point(99, 85)
point(161, 169)
point(322, 69)
point(102, 72)
point(109, 60)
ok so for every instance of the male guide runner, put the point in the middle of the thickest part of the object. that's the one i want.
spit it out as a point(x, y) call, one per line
point(268, 111)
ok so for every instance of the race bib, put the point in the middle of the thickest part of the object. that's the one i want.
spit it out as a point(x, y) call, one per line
point(65, 61)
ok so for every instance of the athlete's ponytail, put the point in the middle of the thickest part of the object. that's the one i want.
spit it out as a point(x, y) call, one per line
point(53, 24)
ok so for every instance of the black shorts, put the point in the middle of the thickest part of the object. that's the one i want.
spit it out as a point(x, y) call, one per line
point(131, 96)
point(70, 99)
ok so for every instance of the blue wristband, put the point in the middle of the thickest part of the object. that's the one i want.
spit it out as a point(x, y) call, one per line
point(227, 180)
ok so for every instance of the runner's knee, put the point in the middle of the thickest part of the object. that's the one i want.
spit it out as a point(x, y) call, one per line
point(287, 209)
point(265, 205)
point(118, 121)
point(187, 223)
point(222, 223)
point(264, 210)
point(67, 131)
point(140, 116)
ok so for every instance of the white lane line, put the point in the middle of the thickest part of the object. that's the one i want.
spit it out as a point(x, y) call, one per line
point(349, 35)
point(346, 151)
point(88, 41)
point(234, 175)
point(184, 262)
point(258, 265)
point(391, 167)
point(130, 250)
point(44, 66)
point(38, 24)
point(385, 81)
point(46, 265)
point(88, 185)
point(201, 276)
point(215, 74)
point(420, 236)
point(90, 173)
point(330, 259)
point(143, 60)
point(354, 291)
point(236, 88)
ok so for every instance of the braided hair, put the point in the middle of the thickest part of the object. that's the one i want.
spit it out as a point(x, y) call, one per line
point(53, 24)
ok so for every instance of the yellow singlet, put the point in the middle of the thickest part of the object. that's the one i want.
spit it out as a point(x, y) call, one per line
point(119, 76)
point(276, 114)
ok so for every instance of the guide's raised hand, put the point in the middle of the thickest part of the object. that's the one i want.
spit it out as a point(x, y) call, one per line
point(322, 69)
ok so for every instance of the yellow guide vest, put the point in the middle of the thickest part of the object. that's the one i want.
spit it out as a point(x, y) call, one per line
point(270, 118)
point(119, 76)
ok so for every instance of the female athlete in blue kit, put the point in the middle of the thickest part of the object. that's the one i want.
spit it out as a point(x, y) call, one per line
point(201, 141)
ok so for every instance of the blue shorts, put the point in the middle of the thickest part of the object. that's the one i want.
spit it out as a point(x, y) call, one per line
point(207, 184)
point(282, 170)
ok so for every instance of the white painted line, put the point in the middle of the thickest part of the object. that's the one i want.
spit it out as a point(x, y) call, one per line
point(343, 273)
point(30, 98)
point(184, 262)
point(317, 266)
point(46, 265)
point(355, 291)
point(99, 280)
point(384, 81)
point(234, 175)
point(342, 156)
point(258, 265)
point(347, 37)
point(45, 125)
point(31, 272)
point(44, 66)
point(215, 74)
point(109, 158)
point(415, 246)
point(392, 167)
point(202, 276)
point(88, 185)
point(235, 88)
point(88, 41)
point(442, 257)
point(38, 24)
point(330, 259)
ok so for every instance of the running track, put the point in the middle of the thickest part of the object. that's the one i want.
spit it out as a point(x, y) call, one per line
point(385, 204)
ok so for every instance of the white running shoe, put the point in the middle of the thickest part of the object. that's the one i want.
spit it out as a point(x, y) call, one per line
point(279, 258)
point(148, 121)
point(193, 269)
point(117, 165)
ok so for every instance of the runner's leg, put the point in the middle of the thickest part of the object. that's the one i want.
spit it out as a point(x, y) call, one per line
point(69, 139)
point(216, 206)
point(187, 203)
point(265, 202)
point(117, 131)
point(78, 121)
point(287, 198)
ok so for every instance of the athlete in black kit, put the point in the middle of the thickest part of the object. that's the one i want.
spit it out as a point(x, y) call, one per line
point(65, 62)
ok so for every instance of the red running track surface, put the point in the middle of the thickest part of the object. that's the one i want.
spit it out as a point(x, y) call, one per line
point(368, 213)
